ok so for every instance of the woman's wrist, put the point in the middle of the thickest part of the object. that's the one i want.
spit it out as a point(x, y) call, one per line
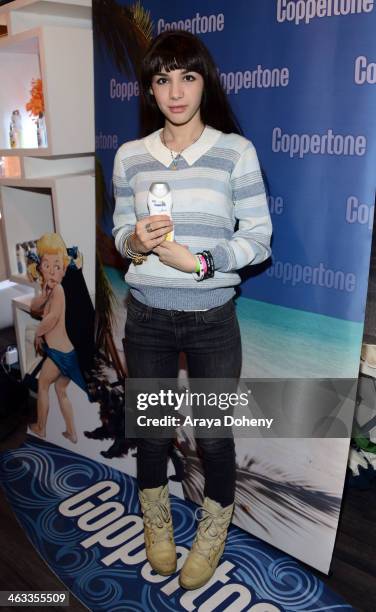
point(132, 243)
point(204, 267)
point(131, 251)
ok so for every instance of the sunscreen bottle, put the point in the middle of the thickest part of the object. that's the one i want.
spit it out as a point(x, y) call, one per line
point(160, 202)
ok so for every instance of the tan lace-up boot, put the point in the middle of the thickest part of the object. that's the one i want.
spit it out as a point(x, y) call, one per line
point(208, 545)
point(158, 529)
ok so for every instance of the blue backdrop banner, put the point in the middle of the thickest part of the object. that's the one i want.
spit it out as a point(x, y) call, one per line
point(301, 78)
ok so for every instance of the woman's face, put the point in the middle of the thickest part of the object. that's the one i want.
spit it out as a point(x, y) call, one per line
point(178, 94)
point(52, 269)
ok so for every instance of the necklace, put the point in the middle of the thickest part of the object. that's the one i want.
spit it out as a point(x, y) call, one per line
point(175, 158)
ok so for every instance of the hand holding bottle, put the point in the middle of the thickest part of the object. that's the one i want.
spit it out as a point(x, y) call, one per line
point(150, 232)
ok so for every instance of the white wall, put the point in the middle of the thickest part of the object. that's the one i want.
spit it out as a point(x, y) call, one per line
point(3, 273)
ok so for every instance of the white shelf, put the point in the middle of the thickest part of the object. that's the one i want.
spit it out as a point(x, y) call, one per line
point(63, 204)
point(26, 216)
point(52, 188)
point(23, 302)
point(9, 291)
point(66, 71)
point(19, 63)
point(20, 279)
point(25, 14)
point(22, 319)
point(19, 170)
point(35, 167)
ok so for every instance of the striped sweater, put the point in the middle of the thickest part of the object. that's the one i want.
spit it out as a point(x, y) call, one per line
point(216, 186)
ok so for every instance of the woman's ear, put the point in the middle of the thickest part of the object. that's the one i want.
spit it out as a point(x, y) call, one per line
point(151, 92)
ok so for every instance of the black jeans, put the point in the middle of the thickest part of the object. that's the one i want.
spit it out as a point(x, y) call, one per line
point(210, 339)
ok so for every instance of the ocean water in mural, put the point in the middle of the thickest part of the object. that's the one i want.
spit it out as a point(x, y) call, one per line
point(278, 341)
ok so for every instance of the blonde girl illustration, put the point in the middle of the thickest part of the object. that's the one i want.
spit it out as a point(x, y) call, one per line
point(51, 339)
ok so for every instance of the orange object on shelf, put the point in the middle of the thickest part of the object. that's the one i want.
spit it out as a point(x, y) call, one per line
point(35, 106)
point(10, 167)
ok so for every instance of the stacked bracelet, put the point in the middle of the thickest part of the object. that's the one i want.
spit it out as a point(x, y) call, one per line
point(137, 258)
point(205, 266)
point(201, 267)
point(210, 263)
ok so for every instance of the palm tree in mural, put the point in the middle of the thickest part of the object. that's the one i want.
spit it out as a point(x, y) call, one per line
point(105, 297)
point(123, 33)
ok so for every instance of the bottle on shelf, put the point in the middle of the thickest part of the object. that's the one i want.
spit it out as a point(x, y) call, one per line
point(17, 120)
point(15, 130)
point(41, 131)
point(24, 252)
point(20, 255)
point(32, 247)
point(12, 140)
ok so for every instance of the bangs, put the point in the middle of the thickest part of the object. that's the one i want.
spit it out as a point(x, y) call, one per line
point(174, 53)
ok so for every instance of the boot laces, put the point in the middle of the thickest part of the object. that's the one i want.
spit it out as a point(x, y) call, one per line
point(157, 514)
point(211, 532)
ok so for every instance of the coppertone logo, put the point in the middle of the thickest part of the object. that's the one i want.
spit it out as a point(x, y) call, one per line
point(295, 274)
point(303, 11)
point(259, 77)
point(300, 145)
point(200, 24)
point(120, 537)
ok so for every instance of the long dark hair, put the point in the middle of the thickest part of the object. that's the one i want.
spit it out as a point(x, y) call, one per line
point(180, 50)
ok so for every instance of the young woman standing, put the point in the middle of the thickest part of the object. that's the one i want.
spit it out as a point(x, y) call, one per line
point(181, 292)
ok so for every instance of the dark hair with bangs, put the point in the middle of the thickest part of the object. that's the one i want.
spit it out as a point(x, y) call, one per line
point(181, 50)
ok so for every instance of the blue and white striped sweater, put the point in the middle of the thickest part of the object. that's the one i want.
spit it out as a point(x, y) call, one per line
point(217, 184)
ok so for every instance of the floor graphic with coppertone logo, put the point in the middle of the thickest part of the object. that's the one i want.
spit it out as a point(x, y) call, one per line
point(84, 520)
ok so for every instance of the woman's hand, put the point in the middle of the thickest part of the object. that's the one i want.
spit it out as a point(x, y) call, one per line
point(176, 256)
point(150, 232)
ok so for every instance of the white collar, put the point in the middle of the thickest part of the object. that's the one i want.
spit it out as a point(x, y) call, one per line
point(191, 154)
